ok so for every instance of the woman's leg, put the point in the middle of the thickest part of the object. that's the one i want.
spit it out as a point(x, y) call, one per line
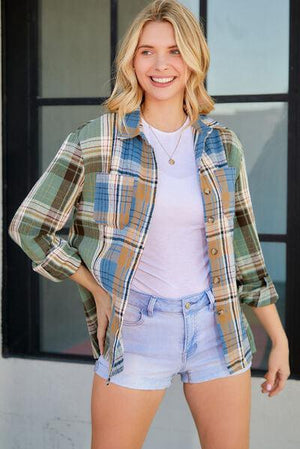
point(121, 416)
point(221, 410)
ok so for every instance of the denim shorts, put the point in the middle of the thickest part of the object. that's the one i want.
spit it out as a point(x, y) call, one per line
point(164, 337)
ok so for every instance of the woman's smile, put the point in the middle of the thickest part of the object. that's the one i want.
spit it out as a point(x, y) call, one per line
point(163, 82)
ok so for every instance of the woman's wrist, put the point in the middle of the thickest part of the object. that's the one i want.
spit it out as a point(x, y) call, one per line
point(85, 278)
point(98, 292)
point(280, 340)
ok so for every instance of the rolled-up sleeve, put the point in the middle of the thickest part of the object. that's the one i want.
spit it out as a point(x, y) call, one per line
point(255, 286)
point(46, 209)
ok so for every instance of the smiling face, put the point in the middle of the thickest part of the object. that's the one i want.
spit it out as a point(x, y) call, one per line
point(157, 56)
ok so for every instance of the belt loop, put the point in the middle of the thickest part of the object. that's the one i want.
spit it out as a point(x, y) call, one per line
point(150, 306)
point(211, 298)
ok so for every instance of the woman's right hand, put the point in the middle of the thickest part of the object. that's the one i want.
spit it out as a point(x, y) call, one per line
point(103, 306)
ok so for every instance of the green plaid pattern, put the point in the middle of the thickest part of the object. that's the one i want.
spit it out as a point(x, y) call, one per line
point(108, 180)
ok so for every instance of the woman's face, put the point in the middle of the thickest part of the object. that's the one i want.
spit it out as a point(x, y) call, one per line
point(158, 56)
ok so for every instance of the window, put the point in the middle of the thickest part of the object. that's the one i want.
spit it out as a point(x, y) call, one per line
point(58, 68)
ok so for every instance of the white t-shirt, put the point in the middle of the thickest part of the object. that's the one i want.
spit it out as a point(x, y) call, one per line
point(175, 258)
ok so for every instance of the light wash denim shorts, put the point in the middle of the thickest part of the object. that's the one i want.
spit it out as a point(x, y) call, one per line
point(164, 337)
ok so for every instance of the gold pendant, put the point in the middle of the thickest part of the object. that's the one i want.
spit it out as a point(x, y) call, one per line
point(171, 161)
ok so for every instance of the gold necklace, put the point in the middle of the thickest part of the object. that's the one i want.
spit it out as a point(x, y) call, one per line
point(171, 160)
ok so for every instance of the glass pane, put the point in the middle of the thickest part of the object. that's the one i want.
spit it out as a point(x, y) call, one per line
point(128, 10)
point(249, 45)
point(74, 52)
point(193, 5)
point(275, 259)
point(263, 131)
point(63, 327)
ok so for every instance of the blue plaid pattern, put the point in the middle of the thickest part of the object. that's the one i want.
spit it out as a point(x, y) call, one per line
point(110, 177)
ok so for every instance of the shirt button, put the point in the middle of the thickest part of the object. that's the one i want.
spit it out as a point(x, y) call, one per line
point(216, 280)
point(211, 219)
point(214, 251)
point(188, 305)
point(220, 312)
point(206, 190)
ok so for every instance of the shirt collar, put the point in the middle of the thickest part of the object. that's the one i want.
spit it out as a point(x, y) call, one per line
point(133, 122)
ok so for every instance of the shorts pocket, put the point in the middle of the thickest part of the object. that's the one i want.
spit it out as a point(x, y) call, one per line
point(133, 316)
point(113, 199)
point(226, 181)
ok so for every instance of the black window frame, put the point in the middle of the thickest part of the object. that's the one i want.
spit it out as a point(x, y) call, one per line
point(20, 104)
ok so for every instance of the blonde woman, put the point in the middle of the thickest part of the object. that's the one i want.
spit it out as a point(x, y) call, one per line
point(163, 244)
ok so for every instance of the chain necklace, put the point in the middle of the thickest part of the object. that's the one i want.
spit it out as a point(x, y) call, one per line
point(171, 160)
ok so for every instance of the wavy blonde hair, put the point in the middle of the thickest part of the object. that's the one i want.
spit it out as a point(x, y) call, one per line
point(128, 95)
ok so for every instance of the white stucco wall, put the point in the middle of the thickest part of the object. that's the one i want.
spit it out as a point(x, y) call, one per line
point(46, 405)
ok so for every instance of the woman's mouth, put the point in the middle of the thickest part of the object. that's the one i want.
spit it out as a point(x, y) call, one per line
point(162, 82)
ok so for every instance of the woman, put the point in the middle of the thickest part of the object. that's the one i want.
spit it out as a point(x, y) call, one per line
point(161, 286)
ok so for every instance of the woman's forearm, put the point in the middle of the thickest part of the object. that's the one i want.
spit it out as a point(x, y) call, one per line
point(270, 319)
point(83, 277)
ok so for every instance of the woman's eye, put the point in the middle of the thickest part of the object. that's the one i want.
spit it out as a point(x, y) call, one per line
point(148, 51)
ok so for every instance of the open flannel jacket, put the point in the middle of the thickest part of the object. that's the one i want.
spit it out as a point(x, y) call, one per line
point(108, 180)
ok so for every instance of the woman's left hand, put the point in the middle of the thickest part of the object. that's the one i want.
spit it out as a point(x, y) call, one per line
point(278, 368)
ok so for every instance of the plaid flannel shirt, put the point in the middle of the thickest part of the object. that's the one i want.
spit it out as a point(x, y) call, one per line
point(108, 178)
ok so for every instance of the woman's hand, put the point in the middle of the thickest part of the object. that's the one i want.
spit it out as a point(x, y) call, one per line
point(103, 306)
point(278, 368)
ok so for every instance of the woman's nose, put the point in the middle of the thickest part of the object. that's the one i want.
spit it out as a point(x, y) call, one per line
point(161, 63)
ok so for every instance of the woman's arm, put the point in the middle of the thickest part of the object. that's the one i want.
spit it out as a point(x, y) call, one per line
point(270, 320)
point(46, 209)
point(255, 286)
point(85, 278)
point(278, 362)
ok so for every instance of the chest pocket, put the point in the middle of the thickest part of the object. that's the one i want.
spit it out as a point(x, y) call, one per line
point(226, 180)
point(113, 199)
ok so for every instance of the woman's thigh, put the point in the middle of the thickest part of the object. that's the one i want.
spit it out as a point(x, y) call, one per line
point(121, 416)
point(221, 410)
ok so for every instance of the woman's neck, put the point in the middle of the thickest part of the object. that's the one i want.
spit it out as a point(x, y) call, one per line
point(163, 120)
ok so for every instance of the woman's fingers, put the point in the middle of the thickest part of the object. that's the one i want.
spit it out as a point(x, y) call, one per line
point(277, 386)
point(103, 306)
point(101, 330)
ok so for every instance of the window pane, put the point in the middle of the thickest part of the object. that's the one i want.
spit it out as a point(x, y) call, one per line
point(63, 327)
point(193, 5)
point(128, 10)
point(74, 48)
point(262, 129)
point(275, 258)
point(249, 45)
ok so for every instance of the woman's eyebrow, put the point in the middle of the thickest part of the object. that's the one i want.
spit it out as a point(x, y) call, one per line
point(151, 46)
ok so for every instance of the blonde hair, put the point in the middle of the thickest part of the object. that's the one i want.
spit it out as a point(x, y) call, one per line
point(127, 94)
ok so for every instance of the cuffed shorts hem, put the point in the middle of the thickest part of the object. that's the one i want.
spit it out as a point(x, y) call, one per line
point(145, 383)
point(197, 377)
point(142, 383)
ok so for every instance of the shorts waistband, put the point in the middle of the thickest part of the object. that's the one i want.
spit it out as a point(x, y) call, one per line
point(150, 302)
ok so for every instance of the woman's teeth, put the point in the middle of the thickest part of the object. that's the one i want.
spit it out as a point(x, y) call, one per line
point(162, 80)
